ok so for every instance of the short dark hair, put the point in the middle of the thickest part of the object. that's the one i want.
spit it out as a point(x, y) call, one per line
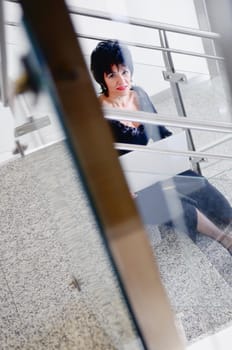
point(106, 54)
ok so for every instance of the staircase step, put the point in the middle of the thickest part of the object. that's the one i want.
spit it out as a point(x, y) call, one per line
point(218, 256)
point(199, 295)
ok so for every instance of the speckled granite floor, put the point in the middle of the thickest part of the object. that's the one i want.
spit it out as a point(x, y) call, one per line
point(42, 209)
point(48, 235)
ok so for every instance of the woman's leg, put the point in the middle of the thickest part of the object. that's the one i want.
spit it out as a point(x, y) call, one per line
point(208, 228)
point(208, 199)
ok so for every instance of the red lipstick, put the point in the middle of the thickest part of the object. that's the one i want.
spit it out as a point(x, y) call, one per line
point(121, 88)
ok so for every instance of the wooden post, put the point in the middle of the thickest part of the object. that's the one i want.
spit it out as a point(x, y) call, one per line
point(53, 35)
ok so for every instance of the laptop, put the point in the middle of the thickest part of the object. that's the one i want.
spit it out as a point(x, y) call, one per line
point(144, 168)
point(146, 171)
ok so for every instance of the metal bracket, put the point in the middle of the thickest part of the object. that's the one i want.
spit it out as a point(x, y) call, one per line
point(32, 125)
point(174, 77)
point(195, 160)
point(20, 148)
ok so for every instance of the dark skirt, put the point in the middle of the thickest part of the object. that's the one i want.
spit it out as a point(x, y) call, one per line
point(173, 203)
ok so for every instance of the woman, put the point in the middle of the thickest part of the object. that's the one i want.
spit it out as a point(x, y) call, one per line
point(205, 209)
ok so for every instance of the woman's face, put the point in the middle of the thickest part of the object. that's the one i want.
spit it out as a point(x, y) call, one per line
point(118, 81)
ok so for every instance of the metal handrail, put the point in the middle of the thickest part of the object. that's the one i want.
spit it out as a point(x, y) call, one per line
point(142, 23)
point(159, 119)
point(189, 154)
point(3, 59)
point(135, 21)
point(143, 46)
point(155, 47)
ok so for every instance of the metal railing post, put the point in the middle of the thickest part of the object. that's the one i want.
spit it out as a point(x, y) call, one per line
point(175, 88)
point(3, 59)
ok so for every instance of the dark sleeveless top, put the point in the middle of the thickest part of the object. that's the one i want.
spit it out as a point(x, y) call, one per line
point(138, 135)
